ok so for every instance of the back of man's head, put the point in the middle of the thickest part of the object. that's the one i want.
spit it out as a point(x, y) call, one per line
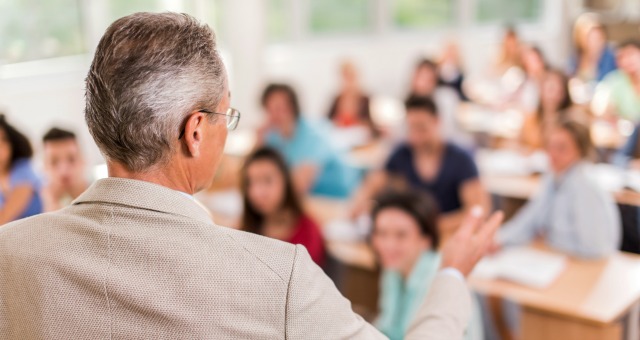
point(149, 72)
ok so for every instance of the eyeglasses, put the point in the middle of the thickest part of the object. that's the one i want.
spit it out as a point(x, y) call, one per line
point(232, 117)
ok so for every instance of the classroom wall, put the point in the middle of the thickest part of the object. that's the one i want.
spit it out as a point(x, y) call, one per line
point(37, 95)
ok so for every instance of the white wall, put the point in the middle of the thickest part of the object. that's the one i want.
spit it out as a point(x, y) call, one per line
point(37, 95)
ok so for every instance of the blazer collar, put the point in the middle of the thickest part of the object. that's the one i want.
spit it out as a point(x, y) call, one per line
point(144, 195)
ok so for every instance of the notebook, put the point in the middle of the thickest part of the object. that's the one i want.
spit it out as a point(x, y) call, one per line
point(523, 265)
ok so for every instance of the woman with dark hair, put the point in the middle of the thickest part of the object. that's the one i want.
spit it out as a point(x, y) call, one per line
point(351, 106)
point(425, 82)
point(271, 204)
point(317, 166)
point(405, 238)
point(19, 184)
point(554, 100)
point(527, 97)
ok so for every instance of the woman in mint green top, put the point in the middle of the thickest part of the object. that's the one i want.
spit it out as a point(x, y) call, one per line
point(623, 85)
point(404, 238)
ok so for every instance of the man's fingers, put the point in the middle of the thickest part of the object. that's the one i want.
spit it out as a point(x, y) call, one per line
point(471, 222)
point(486, 233)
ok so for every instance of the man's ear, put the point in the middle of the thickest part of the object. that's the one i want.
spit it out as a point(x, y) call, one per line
point(193, 133)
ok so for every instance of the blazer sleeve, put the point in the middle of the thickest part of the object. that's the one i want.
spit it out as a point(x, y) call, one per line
point(445, 313)
point(316, 310)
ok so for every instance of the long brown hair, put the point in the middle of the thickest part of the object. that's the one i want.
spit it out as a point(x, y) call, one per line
point(252, 220)
point(566, 101)
point(19, 143)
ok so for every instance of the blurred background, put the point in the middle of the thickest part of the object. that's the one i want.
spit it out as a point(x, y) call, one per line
point(46, 45)
point(499, 99)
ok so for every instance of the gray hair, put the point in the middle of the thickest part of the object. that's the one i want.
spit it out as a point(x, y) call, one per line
point(149, 72)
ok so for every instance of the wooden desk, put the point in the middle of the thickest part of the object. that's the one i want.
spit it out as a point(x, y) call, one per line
point(369, 157)
point(357, 254)
point(588, 301)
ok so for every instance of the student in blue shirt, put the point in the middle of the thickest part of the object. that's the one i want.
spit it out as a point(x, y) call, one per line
point(428, 162)
point(405, 238)
point(595, 58)
point(19, 185)
point(570, 212)
point(317, 166)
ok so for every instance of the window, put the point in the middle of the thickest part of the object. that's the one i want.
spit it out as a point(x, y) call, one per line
point(508, 10)
point(341, 16)
point(423, 13)
point(31, 30)
point(279, 19)
point(206, 10)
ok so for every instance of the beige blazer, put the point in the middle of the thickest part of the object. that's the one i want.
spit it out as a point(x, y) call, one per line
point(134, 260)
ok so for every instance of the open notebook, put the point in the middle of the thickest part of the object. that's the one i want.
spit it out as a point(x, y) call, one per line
point(522, 265)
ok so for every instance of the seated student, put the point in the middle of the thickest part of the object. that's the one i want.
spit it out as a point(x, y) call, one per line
point(570, 212)
point(64, 168)
point(623, 84)
point(629, 155)
point(450, 69)
point(594, 58)
point(425, 83)
point(426, 161)
point(554, 100)
point(272, 207)
point(351, 106)
point(510, 52)
point(527, 96)
point(405, 238)
point(19, 184)
point(317, 166)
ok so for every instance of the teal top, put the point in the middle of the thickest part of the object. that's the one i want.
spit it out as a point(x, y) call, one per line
point(400, 299)
point(311, 144)
point(625, 99)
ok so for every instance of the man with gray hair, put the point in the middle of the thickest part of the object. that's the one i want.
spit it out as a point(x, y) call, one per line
point(134, 257)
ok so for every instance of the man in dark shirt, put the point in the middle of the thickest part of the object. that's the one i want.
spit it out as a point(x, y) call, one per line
point(428, 162)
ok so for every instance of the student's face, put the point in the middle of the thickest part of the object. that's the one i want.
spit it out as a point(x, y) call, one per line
point(553, 89)
point(423, 128)
point(265, 186)
point(5, 150)
point(595, 40)
point(562, 149)
point(63, 162)
point(511, 44)
point(628, 59)
point(278, 109)
point(349, 74)
point(532, 61)
point(397, 239)
point(425, 81)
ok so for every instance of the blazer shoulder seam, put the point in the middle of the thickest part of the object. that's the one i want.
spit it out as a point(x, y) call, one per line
point(258, 257)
